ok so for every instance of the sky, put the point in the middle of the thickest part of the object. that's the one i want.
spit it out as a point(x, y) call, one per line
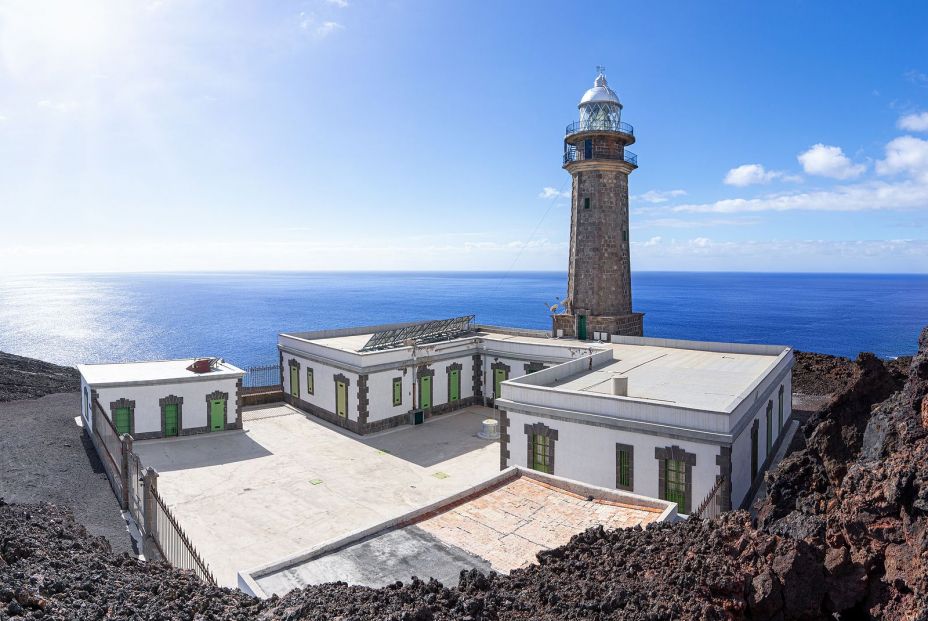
point(427, 135)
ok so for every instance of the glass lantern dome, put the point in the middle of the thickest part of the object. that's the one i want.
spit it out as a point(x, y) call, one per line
point(600, 108)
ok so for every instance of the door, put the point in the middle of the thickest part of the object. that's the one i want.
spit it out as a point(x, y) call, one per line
point(294, 381)
point(454, 388)
point(581, 327)
point(122, 420)
point(341, 399)
point(499, 376)
point(425, 392)
point(170, 420)
point(675, 484)
point(217, 415)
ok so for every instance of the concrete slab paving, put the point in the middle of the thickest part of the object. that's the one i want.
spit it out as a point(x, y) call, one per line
point(289, 482)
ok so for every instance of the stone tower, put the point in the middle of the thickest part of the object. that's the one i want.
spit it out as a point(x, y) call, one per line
point(599, 290)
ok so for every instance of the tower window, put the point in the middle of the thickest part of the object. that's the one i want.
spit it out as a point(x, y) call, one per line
point(588, 149)
point(624, 235)
point(586, 202)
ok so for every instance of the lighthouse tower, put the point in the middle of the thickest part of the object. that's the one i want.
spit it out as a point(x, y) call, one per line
point(599, 291)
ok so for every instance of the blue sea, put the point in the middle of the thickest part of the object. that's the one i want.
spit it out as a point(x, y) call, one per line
point(71, 319)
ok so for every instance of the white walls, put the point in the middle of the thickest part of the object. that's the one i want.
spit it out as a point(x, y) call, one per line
point(588, 453)
point(194, 411)
point(323, 384)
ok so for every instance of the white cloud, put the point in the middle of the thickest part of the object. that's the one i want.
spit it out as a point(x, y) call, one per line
point(57, 106)
point(679, 223)
point(875, 195)
point(754, 174)
point(327, 28)
point(829, 161)
point(339, 3)
point(654, 241)
point(916, 122)
point(659, 196)
point(916, 77)
point(550, 192)
point(907, 154)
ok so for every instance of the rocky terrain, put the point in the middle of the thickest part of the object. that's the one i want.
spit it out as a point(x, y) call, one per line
point(26, 378)
point(842, 533)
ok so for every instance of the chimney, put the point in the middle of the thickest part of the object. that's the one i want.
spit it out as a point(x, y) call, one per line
point(620, 386)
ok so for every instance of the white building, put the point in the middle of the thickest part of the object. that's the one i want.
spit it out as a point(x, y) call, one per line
point(163, 398)
point(660, 418)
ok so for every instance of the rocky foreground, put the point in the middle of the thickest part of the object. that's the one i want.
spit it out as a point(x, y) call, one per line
point(27, 378)
point(843, 533)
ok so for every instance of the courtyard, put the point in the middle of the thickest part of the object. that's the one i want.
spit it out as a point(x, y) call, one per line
point(289, 482)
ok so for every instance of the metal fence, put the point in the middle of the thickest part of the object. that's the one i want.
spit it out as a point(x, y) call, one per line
point(710, 506)
point(110, 449)
point(172, 541)
point(266, 376)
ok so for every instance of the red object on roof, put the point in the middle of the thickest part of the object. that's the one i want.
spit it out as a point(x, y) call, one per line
point(201, 365)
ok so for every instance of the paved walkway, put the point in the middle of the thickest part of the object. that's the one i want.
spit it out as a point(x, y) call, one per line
point(290, 482)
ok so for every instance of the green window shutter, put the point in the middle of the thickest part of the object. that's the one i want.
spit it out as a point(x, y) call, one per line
point(675, 483)
point(541, 453)
point(499, 376)
point(397, 391)
point(310, 383)
point(170, 420)
point(294, 381)
point(122, 420)
point(769, 427)
point(624, 467)
point(425, 392)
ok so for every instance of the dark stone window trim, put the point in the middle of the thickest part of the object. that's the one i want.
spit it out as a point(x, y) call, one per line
point(456, 366)
point(631, 467)
point(533, 367)
point(478, 375)
point(123, 403)
point(539, 429)
point(676, 453)
point(363, 401)
point(344, 379)
point(172, 400)
point(224, 396)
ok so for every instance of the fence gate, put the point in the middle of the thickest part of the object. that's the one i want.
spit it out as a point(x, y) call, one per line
point(136, 488)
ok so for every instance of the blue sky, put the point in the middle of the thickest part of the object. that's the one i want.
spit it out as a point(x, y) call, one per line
point(346, 134)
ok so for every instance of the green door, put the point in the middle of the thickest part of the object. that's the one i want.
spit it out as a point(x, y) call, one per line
point(217, 415)
point(581, 327)
point(170, 420)
point(294, 381)
point(454, 388)
point(341, 399)
point(499, 376)
point(425, 392)
point(122, 417)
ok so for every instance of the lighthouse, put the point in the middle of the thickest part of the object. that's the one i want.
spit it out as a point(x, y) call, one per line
point(599, 291)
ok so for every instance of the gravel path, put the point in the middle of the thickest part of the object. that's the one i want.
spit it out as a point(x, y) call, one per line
point(46, 457)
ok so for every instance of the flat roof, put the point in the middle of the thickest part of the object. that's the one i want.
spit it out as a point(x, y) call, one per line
point(704, 380)
point(354, 342)
point(502, 527)
point(152, 371)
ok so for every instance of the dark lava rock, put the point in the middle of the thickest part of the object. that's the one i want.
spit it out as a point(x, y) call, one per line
point(26, 378)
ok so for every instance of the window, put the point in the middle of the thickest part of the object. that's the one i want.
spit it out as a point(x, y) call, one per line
point(675, 483)
point(587, 149)
point(624, 235)
point(541, 453)
point(780, 409)
point(754, 450)
point(310, 385)
point(341, 398)
point(397, 391)
point(586, 202)
point(122, 418)
point(623, 466)
point(769, 426)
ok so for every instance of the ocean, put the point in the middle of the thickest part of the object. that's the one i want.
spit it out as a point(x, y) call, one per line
point(69, 319)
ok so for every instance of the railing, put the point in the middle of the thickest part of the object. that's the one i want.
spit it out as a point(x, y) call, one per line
point(110, 449)
point(710, 506)
point(573, 154)
point(172, 541)
point(599, 126)
point(261, 377)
